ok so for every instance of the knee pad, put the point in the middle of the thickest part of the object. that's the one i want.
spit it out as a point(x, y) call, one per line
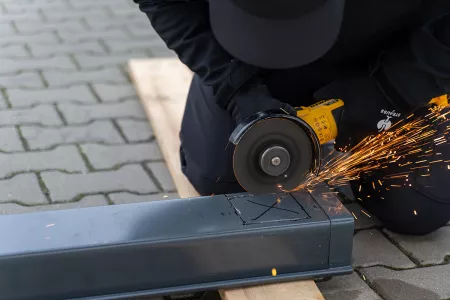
point(403, 210)
point(418, 200)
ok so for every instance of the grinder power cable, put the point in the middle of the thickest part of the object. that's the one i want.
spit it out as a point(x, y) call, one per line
point(275, 151)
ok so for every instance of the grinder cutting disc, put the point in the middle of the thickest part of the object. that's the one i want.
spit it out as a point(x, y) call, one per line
point(273, 155)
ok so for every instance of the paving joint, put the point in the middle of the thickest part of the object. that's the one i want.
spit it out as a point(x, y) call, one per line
point(14, 26)
point(446, 261)
point(70, 144)
point(44, 80)
point(130, 32)
point(85, 159)
point(43, 187)
point(403, 250)
point(75, 62)
point(152, 177)
point(108, 11)
point(369, 284)
point(42, 15)
point(79, 197)
point(134, 162)
point(14, 174)
point(125, 73)
point(387, 267)
point(104, 46)
point(5, 97)
point(108, 199)
point(28, 50)
point(73, 125)
point(85, 23)
point(24, 141)
point(58, 37)
point(17, 202)
point(124, 137)
point(82, 195)
point(60, 114)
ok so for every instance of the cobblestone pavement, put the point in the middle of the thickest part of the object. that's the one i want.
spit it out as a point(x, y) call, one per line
point(73, 134)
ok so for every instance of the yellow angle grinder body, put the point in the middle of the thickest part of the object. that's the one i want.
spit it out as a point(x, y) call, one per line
point(275, 151)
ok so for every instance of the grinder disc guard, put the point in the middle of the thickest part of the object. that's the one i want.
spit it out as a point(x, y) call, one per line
point(275, 154)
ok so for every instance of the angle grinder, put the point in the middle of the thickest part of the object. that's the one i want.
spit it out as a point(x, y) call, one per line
point(275, 151)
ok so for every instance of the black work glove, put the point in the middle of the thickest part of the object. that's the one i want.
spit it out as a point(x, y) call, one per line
point(254, 97)
point(367, 111)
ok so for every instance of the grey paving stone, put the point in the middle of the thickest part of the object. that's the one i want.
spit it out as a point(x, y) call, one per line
point(78, 114)
point(30, 27)
point(142, 30)
point(97, 61)
point(428, 249)
point(6, 18)
point(42, 50)
point(348, 287)
point(362, 221)
point(24, 188)
point(16, 51)
point(10, 140)
point(64, 187)
point(109, 156)
point(117, 4)
point(7, 29)
point(161, 51)
point(114, 92)
point(88, 201)
point(107, 75)
point(23, 80)
point(113, 34)
point(117, 22)
point(415, 284)
point(53, 63)
point(25, 98)
point(44, 37)
point(43, 138)
point(65, 158)
point(136, 131)
point(162, 174)
point(371, 248)
point(130, 11)
point(19, 8)
point(3, 103)
point(43, 115)
point(133, 45)
point(124, 198)
point(55, 15)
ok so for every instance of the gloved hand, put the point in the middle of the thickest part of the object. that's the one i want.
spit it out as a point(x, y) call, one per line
point(252, 98)
point(367, 111)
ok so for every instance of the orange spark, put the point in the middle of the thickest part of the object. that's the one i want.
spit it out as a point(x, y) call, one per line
point(365, 213)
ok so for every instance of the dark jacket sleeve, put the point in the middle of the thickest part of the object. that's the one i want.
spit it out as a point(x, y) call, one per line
point(415, 71)
point(185, 28)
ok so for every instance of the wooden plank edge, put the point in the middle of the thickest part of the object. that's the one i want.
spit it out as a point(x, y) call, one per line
point(156, 114)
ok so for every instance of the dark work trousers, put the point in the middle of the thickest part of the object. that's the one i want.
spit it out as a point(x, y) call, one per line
point(206, 158)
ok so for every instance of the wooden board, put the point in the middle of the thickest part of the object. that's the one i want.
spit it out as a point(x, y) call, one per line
point(162, 86)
